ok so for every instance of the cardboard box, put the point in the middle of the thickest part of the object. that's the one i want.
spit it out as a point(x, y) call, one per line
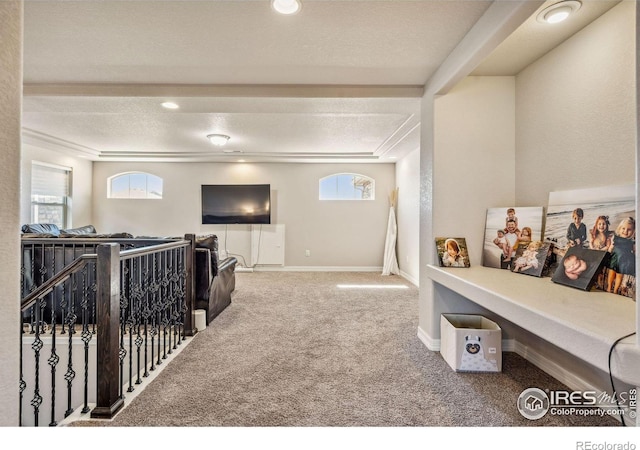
point(471, 343)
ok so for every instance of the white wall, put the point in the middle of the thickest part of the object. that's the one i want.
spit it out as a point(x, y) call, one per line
point(576, 112)
point(11, 13)
point(337, 233)
point(474, 157)
point(472, 169)
point(576, 125)
point(408, 215)
point(81, 184)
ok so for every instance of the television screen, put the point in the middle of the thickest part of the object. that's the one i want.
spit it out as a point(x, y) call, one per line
point(236, 204)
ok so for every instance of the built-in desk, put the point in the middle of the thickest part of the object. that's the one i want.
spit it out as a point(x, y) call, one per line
point(585, 324)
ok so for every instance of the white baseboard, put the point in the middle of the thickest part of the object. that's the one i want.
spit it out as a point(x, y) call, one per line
point(277, 268)
point(558, 372)
point(409, 278)
point(552, 368)
point(431, 344)
point(317, 269)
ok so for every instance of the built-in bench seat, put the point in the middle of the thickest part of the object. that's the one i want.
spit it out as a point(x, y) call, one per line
point(585, 324)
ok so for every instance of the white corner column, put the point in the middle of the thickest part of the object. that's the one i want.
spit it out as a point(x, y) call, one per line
point(497, 23)
point(11, 32)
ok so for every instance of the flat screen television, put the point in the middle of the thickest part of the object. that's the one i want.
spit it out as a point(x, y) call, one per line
point(236, 204)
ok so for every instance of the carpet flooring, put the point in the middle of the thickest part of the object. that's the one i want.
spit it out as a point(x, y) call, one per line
point(296, 350)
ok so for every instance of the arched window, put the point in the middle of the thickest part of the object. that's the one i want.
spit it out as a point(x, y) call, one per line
point(347, 186)
point(134, 185)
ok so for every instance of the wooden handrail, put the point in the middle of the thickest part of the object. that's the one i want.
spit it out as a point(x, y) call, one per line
point(56, 280)
point(133, 252)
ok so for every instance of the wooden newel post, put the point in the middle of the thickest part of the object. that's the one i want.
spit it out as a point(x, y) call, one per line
point(108, 400)
point(190, 288)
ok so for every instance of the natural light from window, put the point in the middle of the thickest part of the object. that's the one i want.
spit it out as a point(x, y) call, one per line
point(347, 186)
point(372, 286)
point(138, 185)
point(50, 194)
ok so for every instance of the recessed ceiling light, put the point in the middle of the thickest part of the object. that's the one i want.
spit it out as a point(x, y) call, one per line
point(286, 6)
point(170, 105)
point(558, 12)
point(218, 139)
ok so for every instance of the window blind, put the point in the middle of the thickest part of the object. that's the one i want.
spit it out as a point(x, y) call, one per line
point(51, 181)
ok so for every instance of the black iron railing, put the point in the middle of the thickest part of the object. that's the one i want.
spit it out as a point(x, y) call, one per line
point(101, 318)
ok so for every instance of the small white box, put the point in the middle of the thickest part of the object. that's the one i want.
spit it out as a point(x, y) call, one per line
point(471, 343)
point(200, 319)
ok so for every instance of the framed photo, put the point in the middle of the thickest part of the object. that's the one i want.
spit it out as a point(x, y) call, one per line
point(533, 258)
point(579, 268)
point(506, 229)
point(452, 252)
point(595, 219)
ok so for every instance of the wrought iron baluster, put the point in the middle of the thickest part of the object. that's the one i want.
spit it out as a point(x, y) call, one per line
point(43, 278)
point(53, 363)
point(163, 302)
point(131, 320)
point(146, 313)
point(154, 332)
point(124, 312)
point(69, 323)
point(182, 304)
point(32, 320)
point(161, 325)
point(23, 383)
point(155, 287)
point(36, 346)
point(86, 335)
point(138, 297)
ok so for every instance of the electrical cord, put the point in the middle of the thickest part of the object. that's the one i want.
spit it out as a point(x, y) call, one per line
point(225, 240)
point(244, 262)
point(259, 242)
point(613, 388)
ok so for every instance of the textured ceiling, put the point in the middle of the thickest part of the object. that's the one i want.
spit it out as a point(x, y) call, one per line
point(339, 81)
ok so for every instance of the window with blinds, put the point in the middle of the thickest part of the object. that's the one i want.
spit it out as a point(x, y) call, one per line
point(50, 190)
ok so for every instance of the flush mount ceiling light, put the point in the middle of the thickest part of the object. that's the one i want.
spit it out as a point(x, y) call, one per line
point(218, 139)
point(559, 11)
point(170, 105)
point(286, 6)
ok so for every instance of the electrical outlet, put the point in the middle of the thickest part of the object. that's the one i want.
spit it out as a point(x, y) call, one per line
point(307, 253)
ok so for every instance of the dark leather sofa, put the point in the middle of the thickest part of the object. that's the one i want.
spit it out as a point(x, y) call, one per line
point(214, 279)
point(51, 230)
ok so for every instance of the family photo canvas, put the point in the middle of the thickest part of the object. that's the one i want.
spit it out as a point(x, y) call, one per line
point(452, 252)
point(600, 219)
point(506, 229)
point(533, 258)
